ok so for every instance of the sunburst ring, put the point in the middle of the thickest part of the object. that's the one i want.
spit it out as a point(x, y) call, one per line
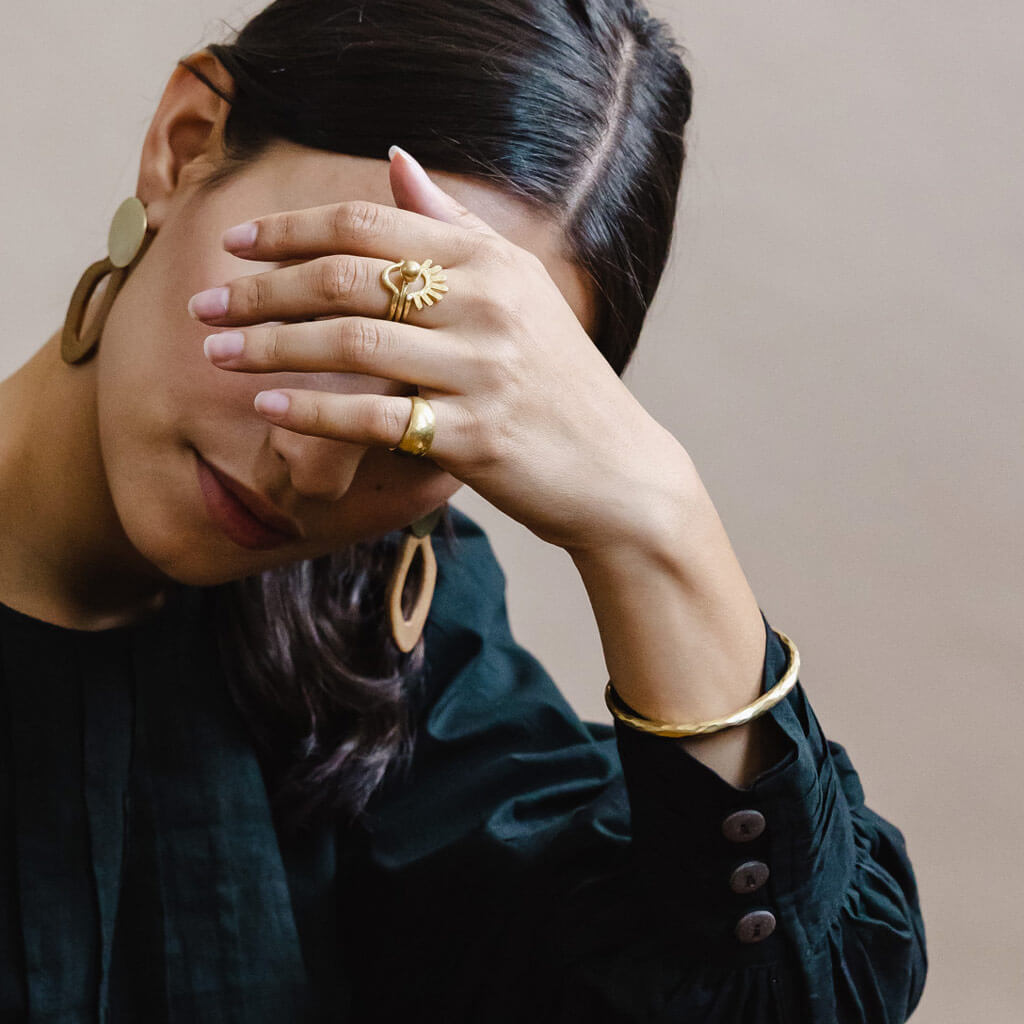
point(404, 295)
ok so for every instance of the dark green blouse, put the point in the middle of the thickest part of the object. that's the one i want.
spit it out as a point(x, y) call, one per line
point(527, 867)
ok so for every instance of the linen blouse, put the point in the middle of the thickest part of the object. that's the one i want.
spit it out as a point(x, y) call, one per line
point(525, 866)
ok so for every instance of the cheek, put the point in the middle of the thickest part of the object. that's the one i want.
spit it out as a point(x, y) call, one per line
point(153, 369)
point(388, 492)
point(155, 346)
point(154, 384)
point(157, 394)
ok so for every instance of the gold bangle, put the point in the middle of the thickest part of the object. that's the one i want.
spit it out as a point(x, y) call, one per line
point(766, 701)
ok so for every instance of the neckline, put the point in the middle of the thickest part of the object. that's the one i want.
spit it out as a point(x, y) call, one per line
point(55, 629)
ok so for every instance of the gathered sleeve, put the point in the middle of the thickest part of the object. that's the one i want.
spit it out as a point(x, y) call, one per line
point(528, 865)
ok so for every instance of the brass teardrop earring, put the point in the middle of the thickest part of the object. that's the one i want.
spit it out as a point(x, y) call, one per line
point(127, 242)
point(407, 631)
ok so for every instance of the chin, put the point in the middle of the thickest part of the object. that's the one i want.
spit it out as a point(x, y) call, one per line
point(197, 566)
point(183, 558)
point(187, 550)
point(164, 519)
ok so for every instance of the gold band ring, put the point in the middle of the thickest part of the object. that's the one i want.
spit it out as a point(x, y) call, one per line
point(419, 434)
point(432, 290)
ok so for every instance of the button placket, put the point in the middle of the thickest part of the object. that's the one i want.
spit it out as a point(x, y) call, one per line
point(746, 826)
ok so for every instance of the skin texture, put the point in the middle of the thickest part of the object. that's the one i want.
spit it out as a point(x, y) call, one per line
point(528, 413)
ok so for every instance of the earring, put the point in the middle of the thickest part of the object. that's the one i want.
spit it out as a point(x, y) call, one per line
point(407, 631)
point(127, 241)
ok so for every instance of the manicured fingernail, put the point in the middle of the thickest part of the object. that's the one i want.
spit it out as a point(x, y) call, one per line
point(241, 236)
point(418, 169)
point(226, 345)
point(272, 403)
point(212, 302)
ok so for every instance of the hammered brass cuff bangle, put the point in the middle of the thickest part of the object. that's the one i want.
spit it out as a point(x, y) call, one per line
point(754, 710)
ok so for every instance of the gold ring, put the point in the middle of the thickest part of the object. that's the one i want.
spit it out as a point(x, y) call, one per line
point(432, 290)
point(419, 434)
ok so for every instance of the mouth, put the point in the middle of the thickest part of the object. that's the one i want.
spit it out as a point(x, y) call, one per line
point(245, 517)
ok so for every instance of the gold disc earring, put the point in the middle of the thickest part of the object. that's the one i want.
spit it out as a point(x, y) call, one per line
point(127, 241)
point(407, 631)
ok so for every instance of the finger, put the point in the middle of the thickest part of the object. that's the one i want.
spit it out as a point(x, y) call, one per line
point(326, 286)
point(357, 227)
point(376, 420)
point(414, 189)
point(351, 344)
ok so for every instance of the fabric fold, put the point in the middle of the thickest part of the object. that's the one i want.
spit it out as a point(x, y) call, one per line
point(231, 948)
point(108, 711)
point(147, 879)
point(56, 900)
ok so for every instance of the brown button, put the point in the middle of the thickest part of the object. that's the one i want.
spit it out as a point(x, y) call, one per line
point(743, 826)
point(755, 926)
point(749, 877)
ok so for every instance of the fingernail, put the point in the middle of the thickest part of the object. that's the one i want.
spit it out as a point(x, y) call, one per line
point(226, 345)
point(273, 403)
point(241, 236)
point(212, 302)
point(418, 169)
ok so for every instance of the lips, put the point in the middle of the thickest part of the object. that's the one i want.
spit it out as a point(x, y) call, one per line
point(247, 518)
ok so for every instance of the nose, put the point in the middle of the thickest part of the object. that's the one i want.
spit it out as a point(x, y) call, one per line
point(319, 467)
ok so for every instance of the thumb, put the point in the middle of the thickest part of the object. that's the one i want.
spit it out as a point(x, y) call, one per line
point(414, 190)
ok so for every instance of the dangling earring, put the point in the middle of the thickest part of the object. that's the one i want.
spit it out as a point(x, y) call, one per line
point(407, 631)
point(127, 241)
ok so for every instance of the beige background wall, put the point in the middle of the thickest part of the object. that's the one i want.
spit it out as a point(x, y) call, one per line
point(837, 343)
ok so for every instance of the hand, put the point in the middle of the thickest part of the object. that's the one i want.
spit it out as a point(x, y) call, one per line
point(528, 412)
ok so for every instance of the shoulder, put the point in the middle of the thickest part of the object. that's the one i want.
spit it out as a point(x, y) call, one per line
point(477, 676)
point(500, 757)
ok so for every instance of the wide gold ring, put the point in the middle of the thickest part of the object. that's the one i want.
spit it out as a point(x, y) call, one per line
point(431, 291)
point(419, 434)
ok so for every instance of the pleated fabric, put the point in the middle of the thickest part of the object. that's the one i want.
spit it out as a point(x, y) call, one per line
point(133, 786)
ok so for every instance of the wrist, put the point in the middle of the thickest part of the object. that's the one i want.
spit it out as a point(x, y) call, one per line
point(671, 531)
point(681, 627)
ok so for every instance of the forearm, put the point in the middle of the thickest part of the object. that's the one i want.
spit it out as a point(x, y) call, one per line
point(682, 632)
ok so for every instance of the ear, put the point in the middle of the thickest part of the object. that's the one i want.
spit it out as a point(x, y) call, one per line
point(185, 135)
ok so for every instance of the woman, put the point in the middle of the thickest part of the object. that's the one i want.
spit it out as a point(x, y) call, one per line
point(257, 767)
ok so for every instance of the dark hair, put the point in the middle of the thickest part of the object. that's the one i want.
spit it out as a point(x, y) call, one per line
point(577, 107)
